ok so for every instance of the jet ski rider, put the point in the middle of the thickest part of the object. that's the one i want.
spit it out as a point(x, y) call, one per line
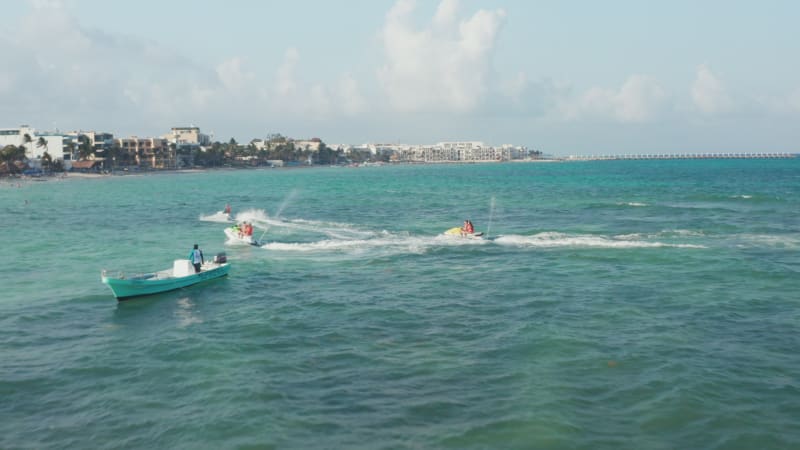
point(467, 228)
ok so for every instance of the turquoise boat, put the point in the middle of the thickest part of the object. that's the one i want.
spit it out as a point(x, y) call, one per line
point(181, 274)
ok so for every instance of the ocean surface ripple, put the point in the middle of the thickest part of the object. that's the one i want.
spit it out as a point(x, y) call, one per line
point(612, 305)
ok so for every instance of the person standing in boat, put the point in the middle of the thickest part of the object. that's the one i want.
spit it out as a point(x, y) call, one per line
point(196, 257)
point(228, 209)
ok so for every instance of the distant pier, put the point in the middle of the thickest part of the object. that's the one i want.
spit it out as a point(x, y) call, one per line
point(770, 155)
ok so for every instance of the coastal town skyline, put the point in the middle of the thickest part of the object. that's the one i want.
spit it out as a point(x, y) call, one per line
point(33, 152)
point(628, 78)
point(26, 149)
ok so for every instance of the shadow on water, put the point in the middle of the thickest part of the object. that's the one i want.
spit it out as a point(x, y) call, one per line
point(144, 309)
point(94, 298)
point(179, 303)
point(157, 314)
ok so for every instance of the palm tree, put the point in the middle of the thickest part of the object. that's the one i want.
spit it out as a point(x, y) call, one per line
point(172, 154)
point(26, 140)
point(57, 166)
point(10, 155)
point(5, 156)
point(84, 149)
point(232, 149)
point(111, 155)
point(42, 142)
point(47, 161)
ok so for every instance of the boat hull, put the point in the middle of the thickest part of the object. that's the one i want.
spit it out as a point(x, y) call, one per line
point(124, 288)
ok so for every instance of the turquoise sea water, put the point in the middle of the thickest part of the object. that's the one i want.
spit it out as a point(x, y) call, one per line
point(615, 305)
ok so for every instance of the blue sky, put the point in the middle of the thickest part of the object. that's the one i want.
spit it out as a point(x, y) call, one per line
point(565, 77)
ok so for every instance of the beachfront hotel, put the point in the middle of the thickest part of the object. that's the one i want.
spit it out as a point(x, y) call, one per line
point(36, 143)
point(89, 150)
point(187, 136)
point(458, 151)
point(69, 147)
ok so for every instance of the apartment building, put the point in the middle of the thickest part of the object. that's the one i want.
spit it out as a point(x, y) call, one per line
point(187, 135)
point(35, 143)
point(147, 153)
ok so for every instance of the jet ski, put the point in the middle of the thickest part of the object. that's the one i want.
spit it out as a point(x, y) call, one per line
point(235, 237)
point(458, 232)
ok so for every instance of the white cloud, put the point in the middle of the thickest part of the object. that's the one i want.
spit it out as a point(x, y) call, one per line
point(7, 76)
point(57, 68)
point(64, 36)
point(640, 99)
point(316, 100)
point(319, 104)
point(446, 13)
point(81, 77)
point(286, 85)
point(444, 66)
point(200, 96)
point(46, 4)
point(351, 100)
point(62, 72)
point(709, 94)
point(233, 77)
point(290, 95)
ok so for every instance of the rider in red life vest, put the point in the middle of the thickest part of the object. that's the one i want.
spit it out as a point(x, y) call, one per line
point(467, 228)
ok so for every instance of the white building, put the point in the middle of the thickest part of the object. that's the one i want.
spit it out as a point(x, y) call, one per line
point(187, 135)
point(98, 141)
point(466, 151)
point(36, 144)
point(260, 144)
point(16, 136)
point(310, 144)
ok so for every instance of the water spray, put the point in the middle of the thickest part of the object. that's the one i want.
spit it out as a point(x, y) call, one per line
point(491, 216)
point(289, 197)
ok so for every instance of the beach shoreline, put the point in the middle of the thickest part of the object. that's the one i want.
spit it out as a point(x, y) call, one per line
point(11, 179)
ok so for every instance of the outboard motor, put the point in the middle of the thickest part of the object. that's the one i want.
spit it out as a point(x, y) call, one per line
point(220, 258)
